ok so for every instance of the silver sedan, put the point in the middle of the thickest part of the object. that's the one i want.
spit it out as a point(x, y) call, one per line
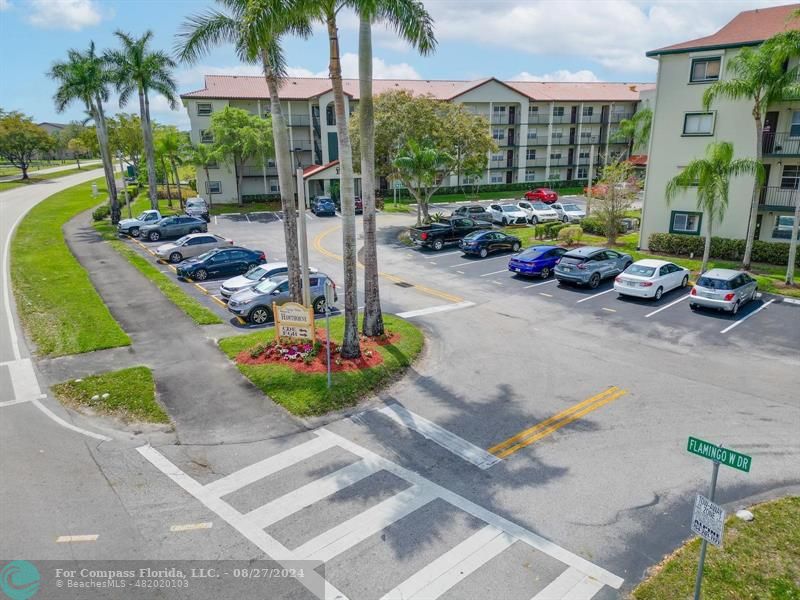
point(190, 245)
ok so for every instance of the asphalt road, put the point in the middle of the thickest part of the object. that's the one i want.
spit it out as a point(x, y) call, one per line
point(35, 173)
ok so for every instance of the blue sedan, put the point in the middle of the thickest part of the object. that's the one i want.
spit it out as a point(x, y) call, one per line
point(221, 262)
point(536, 260)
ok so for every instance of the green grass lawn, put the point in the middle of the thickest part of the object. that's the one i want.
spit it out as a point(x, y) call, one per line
point(196, 311)
point(9, 185)
point(56, 300)
point(759, 560)
point(306, 394)
point(7, 170)
point(131, 395)
point(248, 207)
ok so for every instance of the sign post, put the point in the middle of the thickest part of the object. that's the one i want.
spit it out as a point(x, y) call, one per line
point(301, 231)
point(708, 519)
point(294, 321)
point(330, 298)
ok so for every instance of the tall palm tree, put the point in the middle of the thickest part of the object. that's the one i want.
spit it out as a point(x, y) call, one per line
point(85, 78)
point(710, 177)
point(420, 167)
point(161, 153)
point(170, 146)
point(255, 29)
point(202, 156)
point(636, 130)
point(759, 75)
point(414, 24)
point(135, 68)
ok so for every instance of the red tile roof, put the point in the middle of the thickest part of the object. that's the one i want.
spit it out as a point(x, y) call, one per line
point(746, 29)
point(314, 169)
point(303, 88)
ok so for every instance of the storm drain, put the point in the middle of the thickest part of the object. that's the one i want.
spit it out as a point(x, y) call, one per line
point(404, 284)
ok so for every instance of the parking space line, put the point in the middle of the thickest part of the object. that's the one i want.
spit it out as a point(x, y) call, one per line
point(449, 253)
point(594, 296)
point(478, 262)
point(543, 294)
point(434, 309)
point(608, 309)
point(743, 319)
point(497, 282)
point(433, 262)
point(76, 538)
point(460, 272)
point(538, 284)
point(191, 527)
point(494, 273)
point(673, 303)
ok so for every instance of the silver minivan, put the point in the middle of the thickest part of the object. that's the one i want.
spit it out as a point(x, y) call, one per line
point(723, 289)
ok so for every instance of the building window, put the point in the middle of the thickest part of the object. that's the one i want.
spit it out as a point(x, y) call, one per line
point(583, 172)
point(794, 129)
point(206, 137)
point(213, 187)
point(555, 155)
point(700, 123)
point(498, 178)
point(532, 134)
point(204, 109)
point(555, 175)
point(213, 164)
point(533, 110)
point(498, 133)
point(330, 115)
point(530, 175)
point(583, 154)
point(586, 135)
point(588, 111)
point(685, 222)
point(530, 154)
point(783, 228)
point(558, 111)
point(273, 187)
point(499, 109)
point(557, 134)
point(790, 177)
point(498, 157)
point(705, 69)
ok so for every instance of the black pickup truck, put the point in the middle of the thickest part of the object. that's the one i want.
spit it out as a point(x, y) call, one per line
point(448, 231)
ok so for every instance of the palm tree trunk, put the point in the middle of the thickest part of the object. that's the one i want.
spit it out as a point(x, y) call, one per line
point(751, 224)
point(105, 154)
point(793, 240)
point(210, 203)
point(166, 181)
point(149, 149)
point(350, 343)
point(178, 183)
point(373, 317)
point(707, 244)
point(239, 166)
point(283, 162)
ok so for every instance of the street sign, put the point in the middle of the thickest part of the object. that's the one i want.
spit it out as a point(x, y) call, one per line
point(294, 321)
point(724, 456)
point(398, 184)
point(708, 520)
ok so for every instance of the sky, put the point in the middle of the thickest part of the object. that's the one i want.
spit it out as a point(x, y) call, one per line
point(542, 40)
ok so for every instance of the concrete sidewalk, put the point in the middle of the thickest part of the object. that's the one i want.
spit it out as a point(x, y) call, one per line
point(206, 396)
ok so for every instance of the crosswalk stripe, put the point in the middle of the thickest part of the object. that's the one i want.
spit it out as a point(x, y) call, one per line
point(562, 584)
point(268, 466)
point(585, 590)
point(346, 535)
point(317, 490)
point(454, 565)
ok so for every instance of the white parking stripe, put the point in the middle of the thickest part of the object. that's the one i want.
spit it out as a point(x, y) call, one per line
point(538, 284)
point(743, 319)
point(494, 273)
point(76, 538)
point(449, 253)
point(478, 261)
point(594, 296)
point(561, 585)
point(673, 303)
point(434, 309)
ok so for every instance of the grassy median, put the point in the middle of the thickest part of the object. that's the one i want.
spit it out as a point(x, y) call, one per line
point(759, 560)
point(10, 185)
point(130, 394)
point(56, 300)
point(307, 394)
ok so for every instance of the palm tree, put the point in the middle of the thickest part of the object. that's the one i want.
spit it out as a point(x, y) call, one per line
point(136, 68)
point(414, 24)
point(420, 168)
point(161, 152)
point(85, 78)
point(170, 145)
point(255, 29)
point(758, 75)
point(203, 157)
point(789, 280)
point(710, 177)
point(636, 130)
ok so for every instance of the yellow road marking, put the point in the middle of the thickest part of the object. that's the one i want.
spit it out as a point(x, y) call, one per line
point(548, 426)
point(317, 243)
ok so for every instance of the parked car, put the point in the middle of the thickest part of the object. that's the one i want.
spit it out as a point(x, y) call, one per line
point(473, 211)
point(191, 245)
point(545, 195)
point(568, 212)
point(132, 227)
point(507, 214)
point(255, 304)
point(448, 231)
point(173, 227)
point(358, 202)
point(323, 206)
point(221, 262)
point(536, 260)
point(484, 243)
point(537, 212)
point(255, 276)
point(589, 265)
point(651, 279)
point(723, 289)
point(197, 207)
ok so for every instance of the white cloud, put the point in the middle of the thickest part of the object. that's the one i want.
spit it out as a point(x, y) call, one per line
point(559, 75)
point(161, 112)
point(193, 77)
point(4, 5)
point(64, 14)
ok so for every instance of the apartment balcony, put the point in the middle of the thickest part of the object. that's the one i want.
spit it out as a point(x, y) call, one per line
point(537, 119)
point(504, 120)
point(780, 144)
point(300, 121)
point(778, 198)
point(586, 140)
point(562, 140)
point(252, 171)
point(593, 118)
point(536, 162)
point(617, 116)
point(303, 145)
point(501, 164)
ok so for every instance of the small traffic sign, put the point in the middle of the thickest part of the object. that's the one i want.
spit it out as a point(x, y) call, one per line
point(724, 456)
point(708, 520)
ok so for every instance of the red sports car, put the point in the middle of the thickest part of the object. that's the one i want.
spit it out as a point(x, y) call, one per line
point(545, 195)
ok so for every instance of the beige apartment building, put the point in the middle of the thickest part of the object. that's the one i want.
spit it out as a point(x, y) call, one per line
point(544, 131)
point(682, 129)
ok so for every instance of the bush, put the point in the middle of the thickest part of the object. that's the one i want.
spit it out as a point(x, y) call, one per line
point(260, 197)
point(552, 229)
point(570, 234)
point(773, 253)
point(101, 212)
point(593, 225)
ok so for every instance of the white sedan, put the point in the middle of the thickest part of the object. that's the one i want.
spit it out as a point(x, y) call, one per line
point(537, 212)
point(507, 214)
point(651, 278)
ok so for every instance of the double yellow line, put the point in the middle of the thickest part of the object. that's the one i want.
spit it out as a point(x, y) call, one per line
point(554, 423)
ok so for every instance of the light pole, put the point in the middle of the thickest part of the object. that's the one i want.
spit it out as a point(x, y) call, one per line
point(124, 185)
point(301, 230)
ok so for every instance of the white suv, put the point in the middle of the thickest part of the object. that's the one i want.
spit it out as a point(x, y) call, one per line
point(537, 212)
point(196, 207)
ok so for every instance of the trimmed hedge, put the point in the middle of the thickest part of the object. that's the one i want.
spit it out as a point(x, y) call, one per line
point(548, 231)
point(496, 187)
point(101, 212)
point(772, 253)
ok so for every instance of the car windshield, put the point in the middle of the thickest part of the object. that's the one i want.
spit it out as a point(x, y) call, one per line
point(267, 286)
point(255, 274)
point(195, 203)
point(142, 216)
point(509, 208)
point(539, 205)
point(640, 270)
point(474, 235)
point(181, 241)
point(208, 254)
point(574, 260)
point(531, 253)
point(715, 284)
point(570, 207)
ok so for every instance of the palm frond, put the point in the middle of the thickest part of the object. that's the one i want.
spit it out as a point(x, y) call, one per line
point(198, 34)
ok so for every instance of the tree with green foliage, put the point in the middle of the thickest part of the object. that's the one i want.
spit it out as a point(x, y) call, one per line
point(710, 178)
point(616, 192)
point(21, 140)
point(126, 139)
point(635, 131)
point(202, 156)
point(760, 76)
point(169, 144)
point(422, 168)
point(77, 148)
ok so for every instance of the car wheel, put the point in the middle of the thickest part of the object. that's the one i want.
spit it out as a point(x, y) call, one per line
point(534, 220)
point(484, 253)
point(200, 275)
point(692, 306)
point(260, 315)
point(685, 281)
point(438, 245)
point(594, 281)
point(319, 305)
point(545, 273)
point(565, 219)
point(175, 257)
point(504, 221)
point(735, 309)
point(659, 293)
point(134, 232)
point(250, 267)
point(515, 247)
point(194, 230)
point(154, 236)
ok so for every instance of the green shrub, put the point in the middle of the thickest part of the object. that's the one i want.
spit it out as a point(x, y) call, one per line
point(101, 212)
point(593, 225)
point(437, 217)
point(570, 234)
point(774, 253)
